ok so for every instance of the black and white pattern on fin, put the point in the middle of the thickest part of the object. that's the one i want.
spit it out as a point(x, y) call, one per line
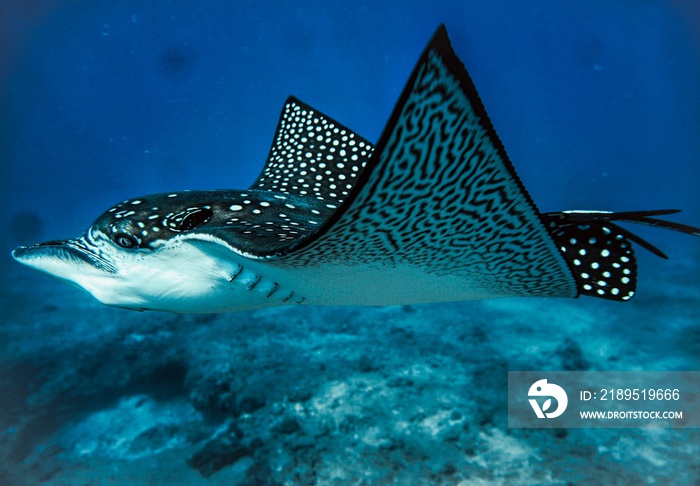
point(313, 155)
point(439, 194)
point(600, 252)
point(601, 257)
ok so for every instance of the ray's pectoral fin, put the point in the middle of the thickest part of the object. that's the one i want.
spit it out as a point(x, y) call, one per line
point(313, 155)
point(439, 200)
point(600, 252)
point(313, 164)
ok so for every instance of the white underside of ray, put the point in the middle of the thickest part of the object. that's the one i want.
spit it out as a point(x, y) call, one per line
point(200, 273)
point(209, 286)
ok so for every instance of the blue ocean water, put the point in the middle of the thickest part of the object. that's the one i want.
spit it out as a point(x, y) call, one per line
point(598, 106)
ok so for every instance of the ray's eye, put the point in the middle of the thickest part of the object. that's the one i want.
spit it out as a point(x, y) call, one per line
point(125, 240)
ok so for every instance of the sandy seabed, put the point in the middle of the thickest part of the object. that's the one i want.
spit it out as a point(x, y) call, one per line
point(91, 395)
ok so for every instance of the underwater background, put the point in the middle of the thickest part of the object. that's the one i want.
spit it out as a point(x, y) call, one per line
point(598, 106)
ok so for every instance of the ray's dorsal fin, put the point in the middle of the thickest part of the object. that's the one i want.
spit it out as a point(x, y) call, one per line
point(440, 196)
point(313, 155)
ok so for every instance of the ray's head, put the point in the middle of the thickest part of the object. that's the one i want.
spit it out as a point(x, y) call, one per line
point(181, 252)
point(145, 223)
point(113, 260)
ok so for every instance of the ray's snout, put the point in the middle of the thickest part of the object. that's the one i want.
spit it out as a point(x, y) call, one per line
point(61, 258)
point(24, 249)
point(25, 252)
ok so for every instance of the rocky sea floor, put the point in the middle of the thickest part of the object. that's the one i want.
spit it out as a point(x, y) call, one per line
point(91, 395)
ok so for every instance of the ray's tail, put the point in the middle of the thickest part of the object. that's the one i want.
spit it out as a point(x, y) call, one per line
point(600, 252)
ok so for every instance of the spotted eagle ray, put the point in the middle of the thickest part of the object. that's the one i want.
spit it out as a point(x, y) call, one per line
point(434, 212)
